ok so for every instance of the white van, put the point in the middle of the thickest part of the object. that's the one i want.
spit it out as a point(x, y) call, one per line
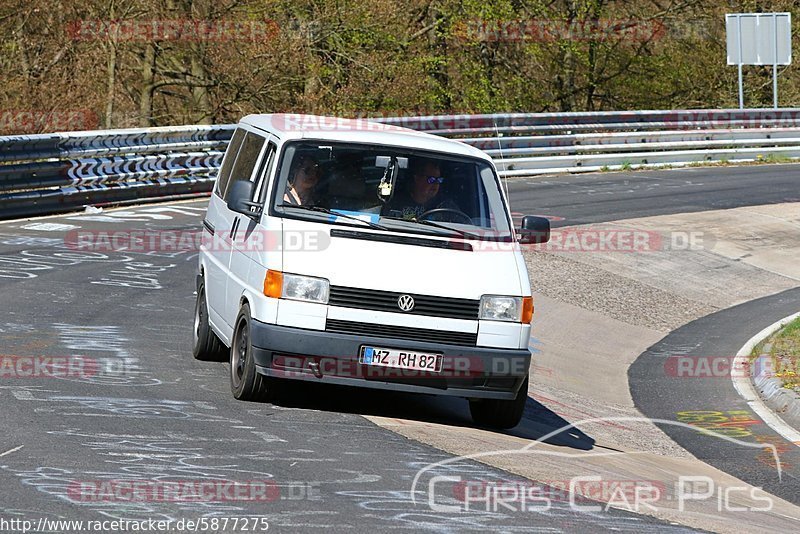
point(355, 253)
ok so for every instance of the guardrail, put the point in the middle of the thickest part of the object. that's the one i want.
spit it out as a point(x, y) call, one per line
point(50, 173)
point(546, 143)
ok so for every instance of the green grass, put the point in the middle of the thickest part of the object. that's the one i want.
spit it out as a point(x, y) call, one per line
point(784, 348)
point(777, 158)
point(760, 160)
point(724, 162)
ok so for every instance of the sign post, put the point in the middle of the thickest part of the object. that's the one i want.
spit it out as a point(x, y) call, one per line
point(739, 50)
point(759, 39)
point(775, 57)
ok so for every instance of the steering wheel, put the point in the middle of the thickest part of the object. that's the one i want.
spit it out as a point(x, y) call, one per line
point(434, 211)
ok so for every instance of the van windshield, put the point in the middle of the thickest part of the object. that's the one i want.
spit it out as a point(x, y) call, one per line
point(391, 188)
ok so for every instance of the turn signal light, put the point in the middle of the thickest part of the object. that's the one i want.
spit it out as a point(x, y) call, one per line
point(273, 284)
point(527, 310)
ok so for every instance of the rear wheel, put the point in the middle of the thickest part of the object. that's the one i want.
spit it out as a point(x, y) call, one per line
point(246, 383)
point(500, 414)
point(206, 346)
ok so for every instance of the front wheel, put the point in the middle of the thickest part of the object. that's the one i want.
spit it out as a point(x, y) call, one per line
point(246, 383)
point(500, 414)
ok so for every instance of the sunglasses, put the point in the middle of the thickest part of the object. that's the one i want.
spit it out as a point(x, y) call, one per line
point(435, 179)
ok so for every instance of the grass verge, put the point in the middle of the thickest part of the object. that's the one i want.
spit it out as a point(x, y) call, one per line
point(784, 348)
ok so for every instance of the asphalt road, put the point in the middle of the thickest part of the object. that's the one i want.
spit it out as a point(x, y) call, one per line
point(685, 377)
point(595, 198)
point(138, 409)
point(141, 409)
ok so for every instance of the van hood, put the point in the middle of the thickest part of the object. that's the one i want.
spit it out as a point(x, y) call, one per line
point(357, 257)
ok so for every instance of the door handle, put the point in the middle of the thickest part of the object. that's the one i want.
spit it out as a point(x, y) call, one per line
point(234, 228)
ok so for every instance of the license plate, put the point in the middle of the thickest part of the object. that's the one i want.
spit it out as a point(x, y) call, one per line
point(401, 359)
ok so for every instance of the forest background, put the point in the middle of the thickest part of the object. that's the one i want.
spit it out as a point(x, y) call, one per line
point(68, 64)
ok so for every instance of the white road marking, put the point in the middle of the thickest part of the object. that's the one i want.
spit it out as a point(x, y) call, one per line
point(182, 211)
point(48, 227)
point(15, 449)
point(745, 387)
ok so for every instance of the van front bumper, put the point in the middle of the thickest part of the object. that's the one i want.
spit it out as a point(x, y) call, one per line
point(333, 358)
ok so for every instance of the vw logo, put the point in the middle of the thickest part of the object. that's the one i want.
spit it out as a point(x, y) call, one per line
point(405, 302)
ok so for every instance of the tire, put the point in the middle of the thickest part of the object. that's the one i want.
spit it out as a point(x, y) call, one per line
point(206, 346)
point(246, 383)
point(500, 414)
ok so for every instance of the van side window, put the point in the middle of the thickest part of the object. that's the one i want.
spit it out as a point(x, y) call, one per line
point(230, 157)
point(264, 172)
point(246, 160)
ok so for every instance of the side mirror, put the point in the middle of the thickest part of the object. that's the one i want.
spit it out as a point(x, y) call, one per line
point(239, 196)
point(534, 230)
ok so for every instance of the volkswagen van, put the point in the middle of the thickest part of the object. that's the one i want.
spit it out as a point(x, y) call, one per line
point(361, 254)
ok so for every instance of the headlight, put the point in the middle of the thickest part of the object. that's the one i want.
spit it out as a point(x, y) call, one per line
point(511, 309)
point(296, 287)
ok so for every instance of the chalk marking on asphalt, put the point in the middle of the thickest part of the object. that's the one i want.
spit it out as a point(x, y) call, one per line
point(15, 449)
point(745, 387)
point(78, 211)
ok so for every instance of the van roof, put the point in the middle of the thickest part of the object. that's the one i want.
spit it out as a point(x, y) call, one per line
point(288, 126)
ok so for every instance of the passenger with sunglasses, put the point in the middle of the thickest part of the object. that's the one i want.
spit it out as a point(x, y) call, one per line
point(302, 183)
point(424, 193)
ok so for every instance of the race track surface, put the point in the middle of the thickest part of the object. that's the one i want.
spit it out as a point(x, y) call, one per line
point(140, 408)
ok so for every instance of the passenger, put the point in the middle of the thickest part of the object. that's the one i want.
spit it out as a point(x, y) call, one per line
point(302, 182)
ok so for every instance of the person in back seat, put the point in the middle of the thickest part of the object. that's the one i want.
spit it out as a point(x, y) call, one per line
point(347, 188)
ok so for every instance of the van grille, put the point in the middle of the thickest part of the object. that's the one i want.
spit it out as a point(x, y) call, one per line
point(401, 332)
point(386, 301)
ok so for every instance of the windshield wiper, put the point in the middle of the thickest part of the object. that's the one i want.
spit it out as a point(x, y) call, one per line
point(320, 209)
point(426, 222)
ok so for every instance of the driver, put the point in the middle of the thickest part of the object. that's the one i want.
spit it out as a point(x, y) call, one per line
point(423, 194)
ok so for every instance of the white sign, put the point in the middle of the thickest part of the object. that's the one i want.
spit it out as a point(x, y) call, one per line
point(759, 38)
